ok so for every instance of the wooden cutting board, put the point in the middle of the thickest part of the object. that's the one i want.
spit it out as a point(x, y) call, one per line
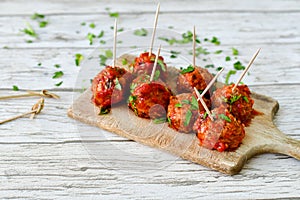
point(262, 136)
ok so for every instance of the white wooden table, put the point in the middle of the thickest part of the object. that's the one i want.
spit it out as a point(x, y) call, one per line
point(50, 157)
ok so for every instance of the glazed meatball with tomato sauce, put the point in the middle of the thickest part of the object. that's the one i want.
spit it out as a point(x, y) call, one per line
point(224, 133)
point(193, 77)
point(183, 111)
point(110, 86)
point(149, 99)
point(144, 65)
point(239, 102)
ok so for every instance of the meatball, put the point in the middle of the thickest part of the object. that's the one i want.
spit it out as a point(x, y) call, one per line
point(150, 100)
point(225, 132)
point(183, 111)
point(144, 65)
point(239, 103)
point(110, 86)
point(193, 77)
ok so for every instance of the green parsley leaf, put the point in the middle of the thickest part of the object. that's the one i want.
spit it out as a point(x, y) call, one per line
point(15, 88)
point(90, 37)
point(57, 74)
point(190, 68)
point(108, 53)
point(29, 41)
point(37, 16)
point(231, 72)
point(92, 25)
point(224, 117)
point(156, 75)
point(162, 65)
point(159, 120)
point(132, 87)
point(43, 24)
point(58, 84)
point(218, 51)
point(104, 111)
point(219, 68)
point(185, 101)
point(227, 58)
point(118, 86)
point(169, 120)
point(194, 104)
point(141, 32)
point(78, 59)
point(30, 31)
point(83, 24)
point(124, 61)
point(234, 98)
point(215, 41)
point(103, 59)
point(39, 64)
point(246, 99)
point(178, 105)
point(170, 27)
point(57, 66)
point(200, 50)
point(175, 52)
point(188, 117)
point(114, 14)
point(101, 34)
point(235, 52)
point(205, 115)
point(238, 66)
point(173, 56)
point(209, 66)
point(102, 42)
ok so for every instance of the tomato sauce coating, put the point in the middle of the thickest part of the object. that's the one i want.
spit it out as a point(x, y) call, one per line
point(224, 133)
point(239, 103)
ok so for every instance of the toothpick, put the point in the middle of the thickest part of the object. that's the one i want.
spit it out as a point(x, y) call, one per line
point(154, 29)
point(203, 104)
point(155, 64)
point(211, 82)
point(194, 47)
point(42, 93)
point(245, 71)
point(115, 43)
point(36, 109)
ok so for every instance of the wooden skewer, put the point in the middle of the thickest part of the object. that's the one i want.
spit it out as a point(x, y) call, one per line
point(211, 82)
point(245, 71)
point(115, 43)
point(203, 104)
point(155, 64)
point(43, 93)
point(154, 29)
point(194, 47)
point(36, 109)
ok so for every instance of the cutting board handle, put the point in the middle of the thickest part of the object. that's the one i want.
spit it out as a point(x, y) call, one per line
point(285, 145)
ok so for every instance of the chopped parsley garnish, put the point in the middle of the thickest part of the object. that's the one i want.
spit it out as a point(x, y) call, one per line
point(132, 87)
point(246, 99)
point(215, 41)
point(190, 68)
point(227, 58)
point(200, 50)
point(174, 54)
point(108, 53)
point(118, 86)
point(37, 16)
point(101, 34)
point(92, 25)
point(231, 72)
point(124, 61)
point(104, 111)
point(162, 65)
point(30, 31)
point(90, 37)
point(235, 52)
point(15, 88)
point(102, 42)
point(83, 24)
point(205, 115)
point(43, 24)
point(194, 104)
point(209, 66)
point(141, 32)
point(156, 75)
point(238, 66)
point(169, 120)
point(58, 74)
point(188, 117)
point(159, 120)
point(224, 117)
point(39, 64)
point(58, 84)
point(78, 59)
point(29, 41)
point(218, 51)
point(185, 101)
point(219, 68)
point(103, 59)
point(114, 14)
point(234, 98)
point(57, 66)
point(178, 105)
